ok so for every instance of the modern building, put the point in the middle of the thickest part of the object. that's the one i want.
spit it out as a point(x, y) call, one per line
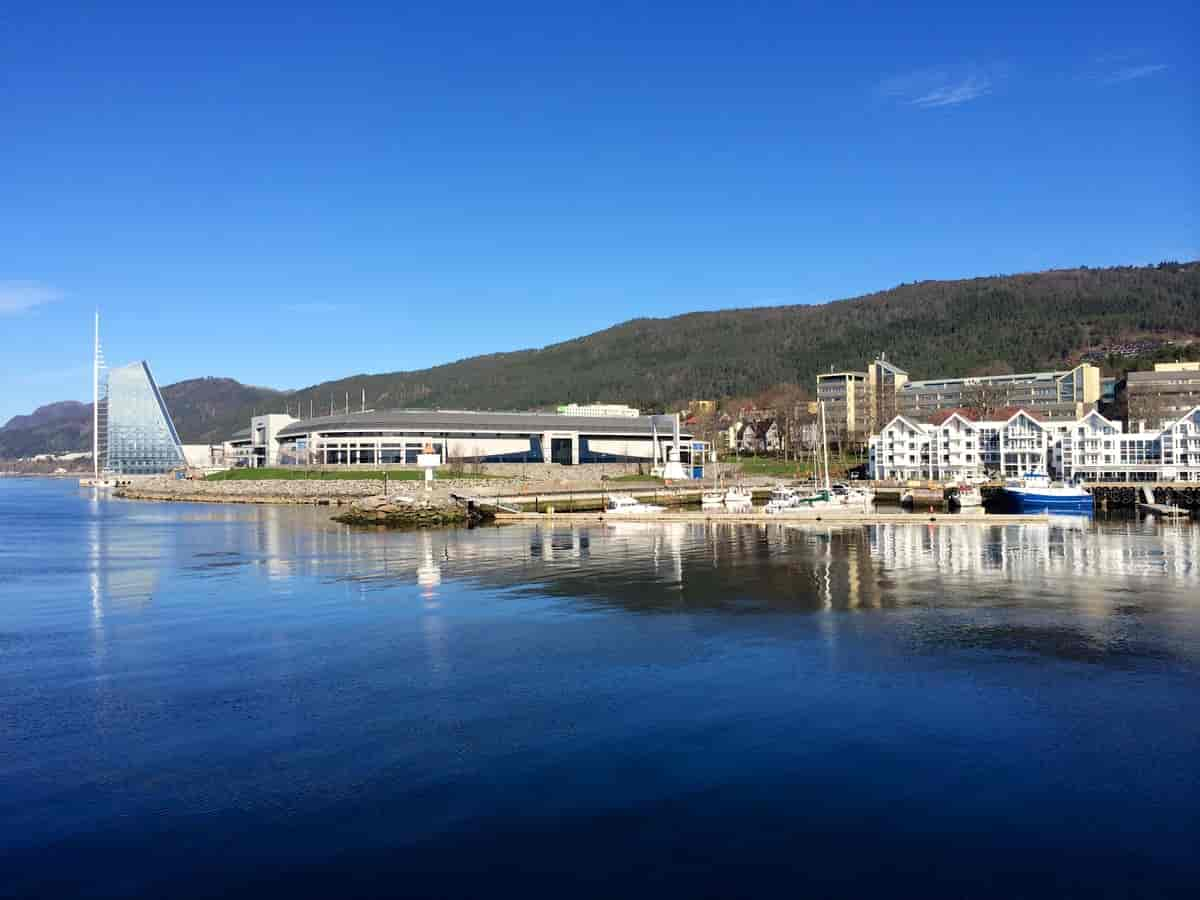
point(264, 438)
point(858, 404)
point(884, 382)
point(397, 437)
point(1065, 395)
point(141, 438)
point(1153, 398)
point(956, 444)
point(847, 405)
point(619, 410)
point(237, 450)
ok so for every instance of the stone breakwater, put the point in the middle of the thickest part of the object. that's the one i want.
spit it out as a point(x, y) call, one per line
point(313, 491)
point(400, 511)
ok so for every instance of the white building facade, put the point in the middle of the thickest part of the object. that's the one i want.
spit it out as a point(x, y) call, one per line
point(955, 446)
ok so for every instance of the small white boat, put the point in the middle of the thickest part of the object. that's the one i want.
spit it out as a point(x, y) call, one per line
point(712, 498)
point(738, 496)
point(98, 481)
point(852, 495)
point(619, 504)
point(782, 492)
point(965, 495)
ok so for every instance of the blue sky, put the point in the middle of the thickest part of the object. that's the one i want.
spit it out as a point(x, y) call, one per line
point(284, 195)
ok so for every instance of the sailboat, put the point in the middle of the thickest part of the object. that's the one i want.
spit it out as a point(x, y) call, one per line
point(822, 496)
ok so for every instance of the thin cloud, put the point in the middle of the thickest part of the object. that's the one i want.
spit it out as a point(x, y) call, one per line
point(935, 88)
point(954, 94)
point(1132, 73)
point(20, 296)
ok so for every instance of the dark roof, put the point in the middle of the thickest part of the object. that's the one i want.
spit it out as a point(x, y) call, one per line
point(1007, 412)
point(241, 434)
point(1164, 376)
point(942, 415)
point(1001, 414)
point(438, 420)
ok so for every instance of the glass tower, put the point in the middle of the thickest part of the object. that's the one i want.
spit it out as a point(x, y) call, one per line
point(141, 435)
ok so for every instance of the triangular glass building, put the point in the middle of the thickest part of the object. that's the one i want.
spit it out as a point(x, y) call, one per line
point(141, 436)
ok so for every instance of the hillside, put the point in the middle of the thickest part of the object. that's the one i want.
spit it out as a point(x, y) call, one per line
point(1020, 322)
point(930, 328)
point(204, 409)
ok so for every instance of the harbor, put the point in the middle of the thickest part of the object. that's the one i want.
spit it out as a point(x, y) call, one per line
point(763, 664)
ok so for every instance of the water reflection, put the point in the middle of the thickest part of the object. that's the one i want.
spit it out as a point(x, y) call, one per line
point(202, 671)
point(640, 566)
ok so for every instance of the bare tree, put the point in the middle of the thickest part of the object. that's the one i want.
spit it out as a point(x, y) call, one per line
point(1151, 408)
point(984, 398)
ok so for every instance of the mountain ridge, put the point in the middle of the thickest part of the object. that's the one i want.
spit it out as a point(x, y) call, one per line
point(1027, 321)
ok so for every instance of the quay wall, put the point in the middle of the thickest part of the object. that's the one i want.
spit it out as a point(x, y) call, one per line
point(1127, 496)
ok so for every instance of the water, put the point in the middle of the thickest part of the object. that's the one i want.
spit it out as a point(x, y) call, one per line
point(199, 700)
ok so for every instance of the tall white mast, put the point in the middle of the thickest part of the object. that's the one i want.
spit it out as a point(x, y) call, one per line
point(96, 399)
point(825, 450)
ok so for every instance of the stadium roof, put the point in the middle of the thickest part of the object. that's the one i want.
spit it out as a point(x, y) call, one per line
point(439, 420)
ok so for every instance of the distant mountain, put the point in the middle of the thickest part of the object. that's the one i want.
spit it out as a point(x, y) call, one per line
point(203, 409)
point(64, 410)
point(62, 427)
point(930, 328)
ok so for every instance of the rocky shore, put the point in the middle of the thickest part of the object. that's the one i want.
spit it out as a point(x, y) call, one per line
point(320, 492)
point(401, 511)
point(406, 504)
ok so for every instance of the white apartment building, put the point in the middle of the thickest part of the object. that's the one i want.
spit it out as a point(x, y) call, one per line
point(954, 445)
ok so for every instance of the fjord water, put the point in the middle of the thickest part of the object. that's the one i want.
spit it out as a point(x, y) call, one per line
point(201, 699)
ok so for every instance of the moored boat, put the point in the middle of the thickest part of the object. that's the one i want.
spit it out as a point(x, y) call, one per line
point(852, 495)
point(965, 495)
point(1035, 492)
point(738, 496)
point(620, 504)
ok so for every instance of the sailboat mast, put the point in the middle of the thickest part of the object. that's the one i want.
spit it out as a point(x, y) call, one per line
point(96, 399)
point(825, 448)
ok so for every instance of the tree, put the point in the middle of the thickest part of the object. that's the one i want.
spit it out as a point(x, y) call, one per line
point(984, 398)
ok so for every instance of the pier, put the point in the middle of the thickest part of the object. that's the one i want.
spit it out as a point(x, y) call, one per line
point(758, 517)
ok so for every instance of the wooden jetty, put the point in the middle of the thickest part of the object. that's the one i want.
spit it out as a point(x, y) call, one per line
point(1166, 510)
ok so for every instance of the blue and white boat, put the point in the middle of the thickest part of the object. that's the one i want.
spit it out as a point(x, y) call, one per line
point(1034, 492)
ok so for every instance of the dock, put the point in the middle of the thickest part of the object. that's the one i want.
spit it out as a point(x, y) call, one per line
point(1149, 504)
point(757, 517)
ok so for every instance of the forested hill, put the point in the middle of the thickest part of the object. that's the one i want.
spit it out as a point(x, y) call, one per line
point(930, 328)
point(1013, 323)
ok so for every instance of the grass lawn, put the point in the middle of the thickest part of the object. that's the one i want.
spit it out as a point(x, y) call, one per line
point(302, 474)
point(769, 466)
point(634, 476)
